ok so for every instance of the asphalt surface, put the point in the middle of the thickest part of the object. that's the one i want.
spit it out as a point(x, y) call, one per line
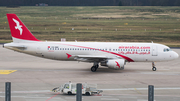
point(35, 77)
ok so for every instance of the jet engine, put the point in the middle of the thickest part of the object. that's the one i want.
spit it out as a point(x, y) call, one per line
point(114, 64)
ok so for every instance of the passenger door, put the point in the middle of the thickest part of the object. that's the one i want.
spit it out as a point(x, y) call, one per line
point(154, 50)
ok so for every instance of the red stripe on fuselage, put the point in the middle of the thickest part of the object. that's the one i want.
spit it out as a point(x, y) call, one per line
point(125, 57)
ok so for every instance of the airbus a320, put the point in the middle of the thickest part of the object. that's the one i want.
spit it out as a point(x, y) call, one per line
point(113, 55)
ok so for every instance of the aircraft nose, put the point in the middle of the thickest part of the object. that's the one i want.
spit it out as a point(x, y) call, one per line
point(176, 55)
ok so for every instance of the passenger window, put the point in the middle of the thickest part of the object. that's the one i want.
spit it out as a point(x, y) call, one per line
point(56, 48)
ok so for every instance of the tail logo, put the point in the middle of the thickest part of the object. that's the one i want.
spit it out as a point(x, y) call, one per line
point(18, 26)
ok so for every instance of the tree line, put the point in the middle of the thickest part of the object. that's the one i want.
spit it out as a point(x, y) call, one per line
point(91, 2)
point(149, 3)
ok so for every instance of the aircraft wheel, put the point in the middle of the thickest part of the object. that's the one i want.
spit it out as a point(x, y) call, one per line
point(69, 93)
point(87, 93)
point(93, 68)
point(154, 68)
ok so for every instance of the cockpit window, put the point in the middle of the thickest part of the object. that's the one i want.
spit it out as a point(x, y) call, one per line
point(167, 49)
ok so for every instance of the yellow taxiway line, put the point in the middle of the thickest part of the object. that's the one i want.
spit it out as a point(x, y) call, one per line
point(7, 71)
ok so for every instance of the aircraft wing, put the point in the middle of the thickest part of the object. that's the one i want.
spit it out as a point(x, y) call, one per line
point(90, 58)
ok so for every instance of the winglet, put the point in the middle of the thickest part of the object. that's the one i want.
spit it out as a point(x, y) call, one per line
point(19, 31)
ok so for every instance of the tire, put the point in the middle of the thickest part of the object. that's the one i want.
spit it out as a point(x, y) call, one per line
point(69, 93)
point(87, 93)
point(93, 69)
point(154, 68)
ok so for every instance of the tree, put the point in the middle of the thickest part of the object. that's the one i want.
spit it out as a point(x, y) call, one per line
point(120, 3)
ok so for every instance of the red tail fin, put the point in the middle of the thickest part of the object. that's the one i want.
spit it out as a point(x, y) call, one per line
point(19, 31)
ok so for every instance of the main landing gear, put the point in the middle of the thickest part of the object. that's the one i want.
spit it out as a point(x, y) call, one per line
point(153, 66)
point(94, 67)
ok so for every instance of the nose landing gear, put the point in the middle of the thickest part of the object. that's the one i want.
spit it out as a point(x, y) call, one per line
point(153, 67)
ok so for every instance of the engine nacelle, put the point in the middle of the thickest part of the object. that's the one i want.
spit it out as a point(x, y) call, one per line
point(114, 64)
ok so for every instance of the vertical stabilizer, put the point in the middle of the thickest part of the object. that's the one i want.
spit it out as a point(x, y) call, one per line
point(19, 31)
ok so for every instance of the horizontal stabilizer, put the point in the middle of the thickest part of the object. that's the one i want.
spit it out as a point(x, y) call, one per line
point(12, 45)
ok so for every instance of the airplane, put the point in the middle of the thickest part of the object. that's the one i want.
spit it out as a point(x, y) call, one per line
point(113, 55)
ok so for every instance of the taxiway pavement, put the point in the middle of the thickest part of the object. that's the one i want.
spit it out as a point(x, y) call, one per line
point(35, 77)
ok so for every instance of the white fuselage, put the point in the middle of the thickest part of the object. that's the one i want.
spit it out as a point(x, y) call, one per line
point(131, 52)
